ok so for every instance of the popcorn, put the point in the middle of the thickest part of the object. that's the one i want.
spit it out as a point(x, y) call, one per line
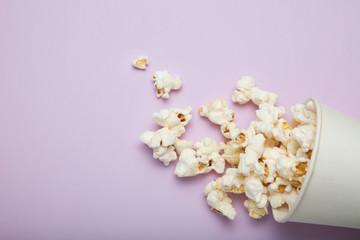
point(181, 145)
point(245, 85)
point(165, 140)
point(230, 130)
point(259, 96)
point(254, 188)
point(281, 131)
point(141, 62)
point(164, 83)
point(247, 91)
point(269, 159)
point(175, 119)
point(217, 112)
point(254, 210)
point(161, 142)
point(289, 165)
point(219, 200)
point(304, 113)
point(232, 152)
point(267, 115)
point(305, 136)
point(232, 181)
point(203, 160)
point(249, 160)
point(282, 193)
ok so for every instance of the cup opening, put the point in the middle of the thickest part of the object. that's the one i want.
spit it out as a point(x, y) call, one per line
point(283, 214)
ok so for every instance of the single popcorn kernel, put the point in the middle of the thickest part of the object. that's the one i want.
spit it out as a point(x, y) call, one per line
point(141, 62)
point(164, 83)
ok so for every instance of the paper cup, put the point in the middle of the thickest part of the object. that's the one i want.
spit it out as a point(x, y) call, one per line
point(330, 194)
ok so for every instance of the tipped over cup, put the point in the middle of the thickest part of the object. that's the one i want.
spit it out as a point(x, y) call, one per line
point(330, 194)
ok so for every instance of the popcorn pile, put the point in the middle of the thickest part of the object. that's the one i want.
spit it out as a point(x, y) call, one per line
point(269, 159)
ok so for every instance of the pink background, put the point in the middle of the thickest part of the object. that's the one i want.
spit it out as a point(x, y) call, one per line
point(72, 107)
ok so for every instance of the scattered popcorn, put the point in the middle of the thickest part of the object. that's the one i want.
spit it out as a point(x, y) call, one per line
point(161, 142)
point(281, 131)
point(249, 160)
point(181, 145)
point(165, 141)
point(203, 160)
point(174, 119)
point(219, 200)
point(164, 83)
point(247, 91)
point(229, 130)
point(269, 159)
point(217, 112)
point(232, 152)
point(304, 113)
point(267, 115)
point(254, 210)
point(232, 181)
point(254, 188)
point(141, 62)
point(305, 136)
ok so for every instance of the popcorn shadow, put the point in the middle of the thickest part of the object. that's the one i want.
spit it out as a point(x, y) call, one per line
point(294, 231)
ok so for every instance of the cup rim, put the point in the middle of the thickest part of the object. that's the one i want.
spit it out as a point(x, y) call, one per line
point(281, 218)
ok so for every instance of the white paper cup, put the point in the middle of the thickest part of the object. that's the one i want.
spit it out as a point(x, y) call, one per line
point(330, 194)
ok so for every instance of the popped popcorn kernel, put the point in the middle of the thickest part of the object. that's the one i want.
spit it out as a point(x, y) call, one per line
point(141, 62)
point(161, 142)
point(217, 112)
point(202, 160)
point(305, 136)
point(164, 83)
point(254, 210)
point(175, 119)
point(219, 200)
point(247, 91)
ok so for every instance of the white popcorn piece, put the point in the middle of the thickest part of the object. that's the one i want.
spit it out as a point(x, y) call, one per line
point(175, 119)
point(232, 181)
point(254, 210)
point(259, 96)
point(282, 192)
point(161, 142)
point(247, 90)
point(181, 145)
point(292, 146)
point(254, 189)
point(229, 130)
point(290, 198)
point(245, 86)
point(269, 158)
point(249, 160)
point(162, 137)
point(219, 200)
point(217, 112)
point(245, 135)
point(289, 165)
point(232, 152)
point(164, 83)
point(141, 62)
point(203, 160)
point(305, 136)
point(267, 115)
point(165, 154)
point(304, 113)
point(189, 164)
point(282, 131)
